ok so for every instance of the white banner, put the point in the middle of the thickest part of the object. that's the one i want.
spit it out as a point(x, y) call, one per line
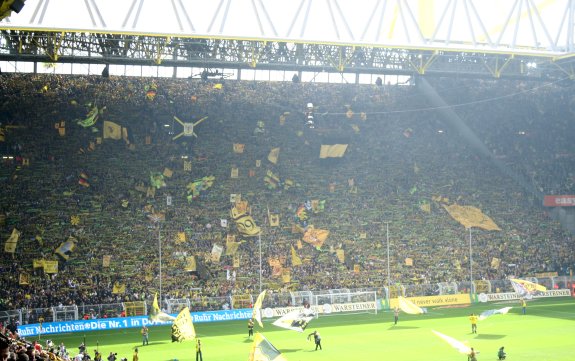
point(488, 297)
point(322, 309)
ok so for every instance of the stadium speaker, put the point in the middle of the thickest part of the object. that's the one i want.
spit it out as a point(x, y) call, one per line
point(17, 5)
point(106, 71)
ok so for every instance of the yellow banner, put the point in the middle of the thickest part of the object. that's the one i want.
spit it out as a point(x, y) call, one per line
point(24, 279)
point(332, 151)
point(470, 216)
point(106, 260)
point(431, 301)
point(38, 263)
point(217, 251)
point(50, 266)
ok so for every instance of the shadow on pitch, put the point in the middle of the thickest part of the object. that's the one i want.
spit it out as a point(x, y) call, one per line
point(489, 337)
point(290, 350)
point(396, 327)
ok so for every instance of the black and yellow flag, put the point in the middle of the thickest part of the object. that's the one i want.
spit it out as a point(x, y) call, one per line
point(263, 350)
point(183, 328)
point(245, 223)
point(112, 130)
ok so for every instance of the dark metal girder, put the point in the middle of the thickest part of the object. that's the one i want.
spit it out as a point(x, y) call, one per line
point(266, 55)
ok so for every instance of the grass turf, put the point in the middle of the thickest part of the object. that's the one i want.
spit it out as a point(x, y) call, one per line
point(545, 333)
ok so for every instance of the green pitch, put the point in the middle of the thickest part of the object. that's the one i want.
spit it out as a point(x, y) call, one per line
point(545, 333)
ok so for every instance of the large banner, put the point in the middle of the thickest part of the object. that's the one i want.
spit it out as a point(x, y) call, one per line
point(559, 201)
point(126, 322)
point(431, 301)
point(326, 308)
point(506, 296)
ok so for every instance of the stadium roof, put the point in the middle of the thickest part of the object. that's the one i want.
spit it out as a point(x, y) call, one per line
point(538, 29)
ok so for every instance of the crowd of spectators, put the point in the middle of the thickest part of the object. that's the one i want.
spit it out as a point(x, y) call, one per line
point(401, 156)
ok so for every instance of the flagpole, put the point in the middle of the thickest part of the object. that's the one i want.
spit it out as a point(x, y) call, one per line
point(260, 242)
point(160, 250)
point(388, 268)
point(470, 263)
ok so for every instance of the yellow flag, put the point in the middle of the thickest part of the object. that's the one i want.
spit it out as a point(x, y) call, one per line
point(12, 241)
point(66, 248)
point(112, 130)
point(218, 86)
point(216, 253)
point(191, 264)
point(183, 327)
point(315, 237)
point(106, 260)
point(340, 254)
point(231, 246)
point(263, 350)
point(37, 263)
point(274, 154)
point(409, 307)
point(244, 222)
point(118, 288)
point(495, 262)
point(523, 287)
point(286, 275)
point(426, 207)
point(236, 261)
point(239, 148)
point(274, 220)
point(256, 311)
point(181, 238)
point(295, 259)
point(168, 172)
point(125, 135)
point(24, 279)
point(470, 216)
point(332, 151)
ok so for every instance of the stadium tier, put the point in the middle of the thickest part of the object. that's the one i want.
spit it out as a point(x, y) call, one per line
point(114, 189)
